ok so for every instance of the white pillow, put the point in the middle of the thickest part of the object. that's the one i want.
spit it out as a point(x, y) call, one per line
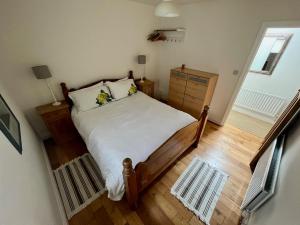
point(86, 99)
point(121, 88)
point(125, 78)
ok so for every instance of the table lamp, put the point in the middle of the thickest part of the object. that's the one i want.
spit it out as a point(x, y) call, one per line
point(43, 72)
point(142, 61)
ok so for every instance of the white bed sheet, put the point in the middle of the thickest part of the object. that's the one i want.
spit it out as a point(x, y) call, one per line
point(132, 127)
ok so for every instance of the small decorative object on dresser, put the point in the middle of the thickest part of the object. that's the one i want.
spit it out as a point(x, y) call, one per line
point(59, 122)
point(147, 87)
point(190, 90)
point(43, 72)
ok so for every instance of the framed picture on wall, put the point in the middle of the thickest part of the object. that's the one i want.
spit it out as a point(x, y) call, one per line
point(10, 126)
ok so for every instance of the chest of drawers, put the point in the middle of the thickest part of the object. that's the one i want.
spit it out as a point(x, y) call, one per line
point(190, 90)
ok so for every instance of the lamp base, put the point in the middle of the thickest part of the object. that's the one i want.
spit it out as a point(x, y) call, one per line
point(56, 103)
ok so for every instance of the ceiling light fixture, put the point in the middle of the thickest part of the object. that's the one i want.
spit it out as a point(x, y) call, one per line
point(167, 8)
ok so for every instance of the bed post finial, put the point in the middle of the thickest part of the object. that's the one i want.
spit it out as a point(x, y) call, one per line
point(64, 90)
point(206, 109)
point(130, 75)
point(202, 123)
point(129, 177)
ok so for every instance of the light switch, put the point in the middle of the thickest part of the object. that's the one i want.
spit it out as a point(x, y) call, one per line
point(235, 72)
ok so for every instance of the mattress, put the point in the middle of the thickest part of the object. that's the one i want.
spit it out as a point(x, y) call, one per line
point(132, 127)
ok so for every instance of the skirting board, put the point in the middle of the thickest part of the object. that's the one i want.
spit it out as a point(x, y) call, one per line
point(254, 114)
point(215, 122)
point(54, 187)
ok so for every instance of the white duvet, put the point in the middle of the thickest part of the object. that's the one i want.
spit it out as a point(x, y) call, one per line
point(132, 127)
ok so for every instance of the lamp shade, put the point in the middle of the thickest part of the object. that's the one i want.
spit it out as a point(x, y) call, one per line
point(141, 59)
point(41, 72)
point(167, 8)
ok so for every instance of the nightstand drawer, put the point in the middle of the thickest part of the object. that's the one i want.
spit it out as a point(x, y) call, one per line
point(147, 87)
point(56, 116)
point(62, 130)
point(148, 90)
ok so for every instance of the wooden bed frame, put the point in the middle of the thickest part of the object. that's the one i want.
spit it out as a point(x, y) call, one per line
point(138, 178)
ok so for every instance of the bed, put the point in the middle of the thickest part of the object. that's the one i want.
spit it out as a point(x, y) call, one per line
point(135, 139)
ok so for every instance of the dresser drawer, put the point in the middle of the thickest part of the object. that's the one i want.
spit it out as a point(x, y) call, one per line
point(175, 99)
point(192, 105)
point(175, 103)
point(177, 82)
point(175, 95)
point(176, 88)
point(195, 102)
point(196, 80)
point(178, 75)
point(196, 90)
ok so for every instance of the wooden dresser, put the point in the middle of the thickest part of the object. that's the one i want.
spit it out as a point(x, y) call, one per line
point(190, 90)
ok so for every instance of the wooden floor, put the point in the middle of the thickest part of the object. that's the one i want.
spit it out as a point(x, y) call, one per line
point(249, 124)
point(226, 147)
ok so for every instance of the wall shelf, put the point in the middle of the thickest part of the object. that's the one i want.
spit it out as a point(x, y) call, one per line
point(169, 35)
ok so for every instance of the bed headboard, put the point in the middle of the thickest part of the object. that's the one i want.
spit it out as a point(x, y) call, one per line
point(66, 90)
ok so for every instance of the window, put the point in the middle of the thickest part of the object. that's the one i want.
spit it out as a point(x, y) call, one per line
point(269, 53)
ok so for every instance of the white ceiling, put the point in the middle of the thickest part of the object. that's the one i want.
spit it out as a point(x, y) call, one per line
point(154, 2)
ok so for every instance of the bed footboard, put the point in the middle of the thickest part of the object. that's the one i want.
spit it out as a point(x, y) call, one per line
point(139, 178)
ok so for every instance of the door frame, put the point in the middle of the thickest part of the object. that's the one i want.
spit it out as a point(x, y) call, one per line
point(244, 73)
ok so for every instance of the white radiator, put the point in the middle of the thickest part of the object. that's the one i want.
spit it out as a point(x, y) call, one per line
point(263, 182)
point(262, 103)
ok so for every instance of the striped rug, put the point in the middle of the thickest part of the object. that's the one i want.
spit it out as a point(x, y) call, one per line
point(199, 188)
point(79, 183)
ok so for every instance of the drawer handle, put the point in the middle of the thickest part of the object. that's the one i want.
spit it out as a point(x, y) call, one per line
point(199, 80)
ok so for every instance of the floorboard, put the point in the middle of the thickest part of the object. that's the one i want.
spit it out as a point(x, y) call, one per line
point(249, 124)
point(228, 148)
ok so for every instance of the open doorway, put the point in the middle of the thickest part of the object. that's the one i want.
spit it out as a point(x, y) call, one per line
point(271, 82)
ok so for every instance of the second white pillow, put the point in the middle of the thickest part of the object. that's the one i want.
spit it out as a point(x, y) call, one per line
point(122, 88)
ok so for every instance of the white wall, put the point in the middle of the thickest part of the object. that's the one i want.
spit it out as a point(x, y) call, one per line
point(26, 196)
point(81, 41)
point(219, 38)
point(284, 207)
point(285, 80)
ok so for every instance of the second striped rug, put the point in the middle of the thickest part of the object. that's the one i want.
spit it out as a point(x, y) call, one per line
point(199, 188)
point(79, 183)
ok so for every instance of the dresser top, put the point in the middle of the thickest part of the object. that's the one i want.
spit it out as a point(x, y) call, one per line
point(196, 72)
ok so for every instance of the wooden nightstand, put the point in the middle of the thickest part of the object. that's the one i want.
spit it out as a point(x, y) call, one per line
point(147, 87)
point(59, 122)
